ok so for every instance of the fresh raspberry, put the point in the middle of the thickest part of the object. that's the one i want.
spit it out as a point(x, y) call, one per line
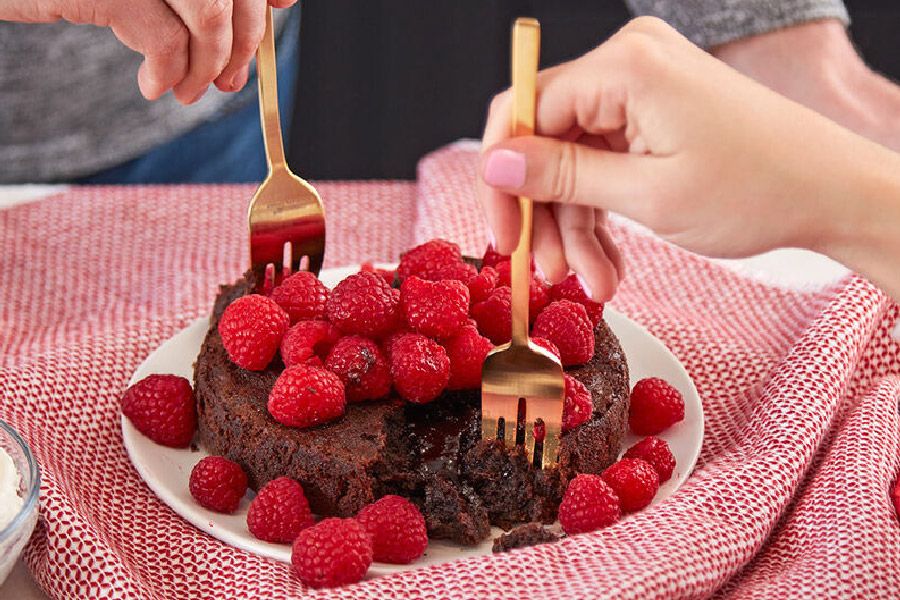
point(420, 368)
point(218, 484)
point(588, 504)
point(538, 297)
point(364, 304)
point(566, 324)
point(655, 406)
point(332, 552)
point(387, 344)
point(279, 512)
point(481, 286)
point(656, 452)
point(387, 274)
point(459, 271)
point(302, 296)
point(579, 406)
point(362, 367)
point(397, 529)
point(494, 316)
point(304, 396)
point(546, 345)
point(466, 350)
point(570, 288)
point(162, 408)
point(504, 271)
point(308, 340)
point(251, 328)
point(634, 481)
point(428, 259)
point(492, 257)
point(896, 497)
point(435, 308)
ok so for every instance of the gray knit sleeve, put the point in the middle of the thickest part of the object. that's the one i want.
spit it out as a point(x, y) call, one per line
point(711, 22)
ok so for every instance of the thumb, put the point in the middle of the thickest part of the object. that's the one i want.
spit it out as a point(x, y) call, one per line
point(551, 170)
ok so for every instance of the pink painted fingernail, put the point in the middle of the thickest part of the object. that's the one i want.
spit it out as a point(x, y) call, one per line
point(505, 169)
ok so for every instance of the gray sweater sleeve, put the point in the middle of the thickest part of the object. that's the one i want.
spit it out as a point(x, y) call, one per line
point(711, 22)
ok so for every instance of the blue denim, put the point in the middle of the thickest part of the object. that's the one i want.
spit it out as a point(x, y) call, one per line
point(228, 149)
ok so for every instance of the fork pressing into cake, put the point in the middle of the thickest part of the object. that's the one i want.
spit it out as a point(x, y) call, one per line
point(286, 217)
point(522, 385)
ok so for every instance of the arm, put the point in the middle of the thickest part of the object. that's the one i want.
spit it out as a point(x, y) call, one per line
point(652, 127)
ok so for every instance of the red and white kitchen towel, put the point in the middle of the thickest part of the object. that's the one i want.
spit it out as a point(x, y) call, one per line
point(800, 391)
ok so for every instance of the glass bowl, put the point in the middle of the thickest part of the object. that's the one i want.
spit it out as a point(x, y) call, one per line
point(15, 535)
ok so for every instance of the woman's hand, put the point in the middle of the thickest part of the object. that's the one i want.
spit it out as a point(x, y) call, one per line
point(650, 126)
point(187, 44)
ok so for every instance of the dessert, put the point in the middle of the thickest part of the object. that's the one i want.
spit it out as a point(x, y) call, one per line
point(10, 500)
point(430, 452)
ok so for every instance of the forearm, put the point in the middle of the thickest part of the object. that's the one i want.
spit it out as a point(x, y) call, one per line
point(708, 23)
point(860, 215)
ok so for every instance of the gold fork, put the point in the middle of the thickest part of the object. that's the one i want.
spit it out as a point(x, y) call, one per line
point(287, 221)
point(521, 383)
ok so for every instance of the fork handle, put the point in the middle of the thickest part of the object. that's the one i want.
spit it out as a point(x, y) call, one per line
point(268, 95)
point(526, 42)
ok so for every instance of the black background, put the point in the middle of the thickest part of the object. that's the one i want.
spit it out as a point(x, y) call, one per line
point(383, 82)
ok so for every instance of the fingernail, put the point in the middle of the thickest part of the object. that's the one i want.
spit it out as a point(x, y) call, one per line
point(584, 285)
point(197, 97)
point(505, 169)
point(240, 79)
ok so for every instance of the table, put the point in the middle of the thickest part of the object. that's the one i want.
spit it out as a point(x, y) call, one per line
point(791, 268)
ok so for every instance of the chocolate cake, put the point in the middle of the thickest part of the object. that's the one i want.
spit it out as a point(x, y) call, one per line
point(431, 453)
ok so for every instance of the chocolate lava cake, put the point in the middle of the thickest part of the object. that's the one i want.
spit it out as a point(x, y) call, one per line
point(431, 453)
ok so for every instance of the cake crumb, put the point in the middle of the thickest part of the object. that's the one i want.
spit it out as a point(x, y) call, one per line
point(530, 534)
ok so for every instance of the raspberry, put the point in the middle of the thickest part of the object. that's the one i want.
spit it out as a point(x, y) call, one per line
point(362, 367)
point(655, 406)
point(333, 552)
point(494, 316)
point(459, 271)
point(279, 512)
point(428, 259)
point(588, 504)
point(420, 368)
point(364, 304)
point(538, 297)
point(251, 328)
point(481, 286)
point(896, 497)
point(435, 308)
point(307, 340)
point(579, 406)
point(218, 484)
point(492, 257)
point(565, 323)
point(570, 288)
point(302, 296)
point(546, 345)
point(466, 350)
point(387, 274)
point(634, 481)
point(656, 452)
point(162, 408)
point(387, 344)
point(504, 271)
point(304, 396)
point(397, 529)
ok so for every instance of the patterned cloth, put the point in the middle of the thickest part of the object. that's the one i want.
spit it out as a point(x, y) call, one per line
point(800, 391)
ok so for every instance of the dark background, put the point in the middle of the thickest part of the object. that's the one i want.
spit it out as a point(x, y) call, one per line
point(383, 82)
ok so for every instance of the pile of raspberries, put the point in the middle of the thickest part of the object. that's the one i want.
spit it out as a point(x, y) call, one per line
point(366, 337)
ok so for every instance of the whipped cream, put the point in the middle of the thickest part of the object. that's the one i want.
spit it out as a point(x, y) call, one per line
point(10, 479)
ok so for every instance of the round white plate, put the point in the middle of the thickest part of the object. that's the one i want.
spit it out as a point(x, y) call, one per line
point(166, 470)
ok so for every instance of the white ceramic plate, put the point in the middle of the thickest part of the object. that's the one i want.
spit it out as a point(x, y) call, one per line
point(166, 470)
